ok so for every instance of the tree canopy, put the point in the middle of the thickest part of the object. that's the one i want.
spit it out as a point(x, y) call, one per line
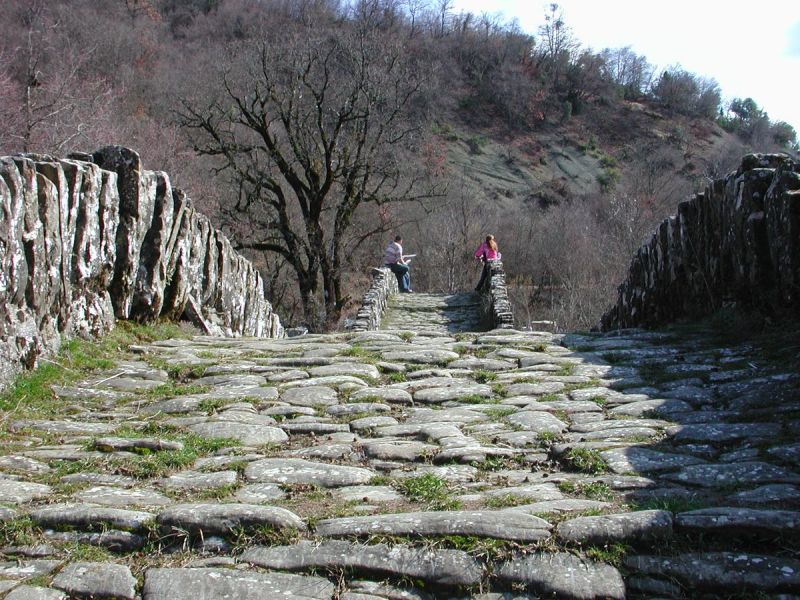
point(311, 126)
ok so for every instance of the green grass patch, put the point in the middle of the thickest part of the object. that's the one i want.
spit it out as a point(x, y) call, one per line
point(499, 412)
point(481, 351)
point(172, 389)
point(482, 376)
point(585, 461)
point(217, 493)
point(499, 390)
point(430, 490)
point(566, 370)
point(31, 394)
point(367, 356)
point(396, 377)
point(149, 463)
point(381, 480)
point(595, 490)
point(86, 552)
point(612, 554)
point(20, 531)
point(548, 438)
point(263, 535)
point(505, 501)
point(179, 372)
point(479, 547)
point(599, 400)
point(211, 405)
point(476, 399)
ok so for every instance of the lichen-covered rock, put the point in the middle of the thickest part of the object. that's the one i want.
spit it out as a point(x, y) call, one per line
point(737, 240)
point(192, 584)
point(437, 567)
point(93, 237)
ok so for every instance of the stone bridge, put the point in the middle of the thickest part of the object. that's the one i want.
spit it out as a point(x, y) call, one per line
point(96, 237)
point(426, 459)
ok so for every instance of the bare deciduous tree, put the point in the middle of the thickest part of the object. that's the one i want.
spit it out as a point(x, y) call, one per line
point(311, 130)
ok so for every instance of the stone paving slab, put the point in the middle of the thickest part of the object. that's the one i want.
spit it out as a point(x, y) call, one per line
point(647, 526)
point(222, 519)
point(21, 492)
point(96, 580)
point(435, 567)
point(747, 473)
point(309, 439)
point(32, 592)
point(739, 521)
point(192, 584)
point(564, 576)
point(298, 471)
point(88, 517)
point(27, 569)
point(723, 571)
point(644, 460)
point(247, 434)
point(506, 525)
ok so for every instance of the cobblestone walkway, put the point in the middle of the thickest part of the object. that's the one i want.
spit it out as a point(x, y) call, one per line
point(414, 462)
point(434, 313)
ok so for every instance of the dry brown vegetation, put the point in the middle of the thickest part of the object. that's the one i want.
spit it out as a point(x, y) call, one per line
point(569, 157)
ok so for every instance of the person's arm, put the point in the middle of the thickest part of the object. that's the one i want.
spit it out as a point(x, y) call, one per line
point(479, 253)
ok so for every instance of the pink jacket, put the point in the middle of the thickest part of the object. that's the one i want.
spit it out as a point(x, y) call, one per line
point(485, 252)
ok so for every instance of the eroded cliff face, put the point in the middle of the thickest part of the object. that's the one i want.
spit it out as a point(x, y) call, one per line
point(739, 241)
point(95, 236)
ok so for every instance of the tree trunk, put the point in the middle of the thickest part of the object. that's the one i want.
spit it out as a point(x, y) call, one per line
point(308, 296)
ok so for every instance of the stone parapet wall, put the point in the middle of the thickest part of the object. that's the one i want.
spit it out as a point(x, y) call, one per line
point(739, 241)
point(376, 299)
point(95, 236)
point(496, 309)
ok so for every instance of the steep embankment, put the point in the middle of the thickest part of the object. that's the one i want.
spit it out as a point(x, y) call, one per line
point(607, 147)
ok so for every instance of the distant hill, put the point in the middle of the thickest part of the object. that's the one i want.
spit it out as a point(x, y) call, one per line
point(568, 156)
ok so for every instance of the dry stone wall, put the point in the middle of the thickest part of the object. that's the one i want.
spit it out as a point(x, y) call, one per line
point(739, 241)
point(496, 308)
point(95, 236)
point(376, 299)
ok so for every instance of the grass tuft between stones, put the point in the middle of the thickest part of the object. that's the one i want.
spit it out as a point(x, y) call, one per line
point(584, 460)
point(32, 394)
point(430, 490)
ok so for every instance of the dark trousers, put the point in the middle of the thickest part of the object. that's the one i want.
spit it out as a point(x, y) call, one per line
point(403, 278)
point(484, 274)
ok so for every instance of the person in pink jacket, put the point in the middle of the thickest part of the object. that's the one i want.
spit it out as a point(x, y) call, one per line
point(486, 251)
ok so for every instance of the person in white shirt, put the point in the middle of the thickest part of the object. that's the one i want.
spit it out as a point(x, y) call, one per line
point(394, 259)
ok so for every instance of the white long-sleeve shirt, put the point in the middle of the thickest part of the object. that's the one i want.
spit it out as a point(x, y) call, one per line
point(394, 254)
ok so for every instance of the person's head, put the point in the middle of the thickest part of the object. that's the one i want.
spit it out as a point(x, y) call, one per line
point(398, 238)
point(491, 242)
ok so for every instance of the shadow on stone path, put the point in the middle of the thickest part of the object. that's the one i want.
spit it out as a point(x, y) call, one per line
point(419, 461)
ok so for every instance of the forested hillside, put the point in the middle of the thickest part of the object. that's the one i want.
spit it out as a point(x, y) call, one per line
point(312, 131)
